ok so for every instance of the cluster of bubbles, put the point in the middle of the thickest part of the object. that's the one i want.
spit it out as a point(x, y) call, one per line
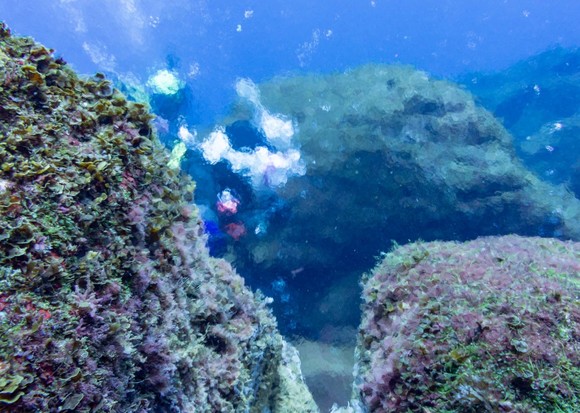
point(240, 167)
point(268, 165)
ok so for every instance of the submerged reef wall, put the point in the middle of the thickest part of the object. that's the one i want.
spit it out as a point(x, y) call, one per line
point(389, 154)
point(109, 301)
point(491, 325)
point(538, 100)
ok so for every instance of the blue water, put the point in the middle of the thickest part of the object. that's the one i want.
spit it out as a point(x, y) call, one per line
point(222, 40)
point(209, 45)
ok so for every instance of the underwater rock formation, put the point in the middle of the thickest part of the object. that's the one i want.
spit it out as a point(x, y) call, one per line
point(391, 154)
point(538, 100)
point(553, 152)
point(491, 325)
point(109, 301)
point(531, 92)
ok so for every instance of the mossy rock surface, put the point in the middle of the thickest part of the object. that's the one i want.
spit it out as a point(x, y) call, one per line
point(491, 325)
point(109, 301)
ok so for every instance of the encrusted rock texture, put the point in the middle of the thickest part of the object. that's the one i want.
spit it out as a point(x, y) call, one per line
point(109, 301)
point(491, 325)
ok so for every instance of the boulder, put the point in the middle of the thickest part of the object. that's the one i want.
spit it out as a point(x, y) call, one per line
point(109, 300)
point(388, 154)
point(490, 325)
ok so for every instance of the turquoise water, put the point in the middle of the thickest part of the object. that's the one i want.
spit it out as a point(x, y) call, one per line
point(305, 170)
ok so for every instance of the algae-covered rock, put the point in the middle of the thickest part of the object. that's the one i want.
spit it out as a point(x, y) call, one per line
point(109, 301)
point(491, 325)
point(391, 154)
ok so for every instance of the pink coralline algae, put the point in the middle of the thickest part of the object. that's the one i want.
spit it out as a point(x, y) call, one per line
point(491, 325)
